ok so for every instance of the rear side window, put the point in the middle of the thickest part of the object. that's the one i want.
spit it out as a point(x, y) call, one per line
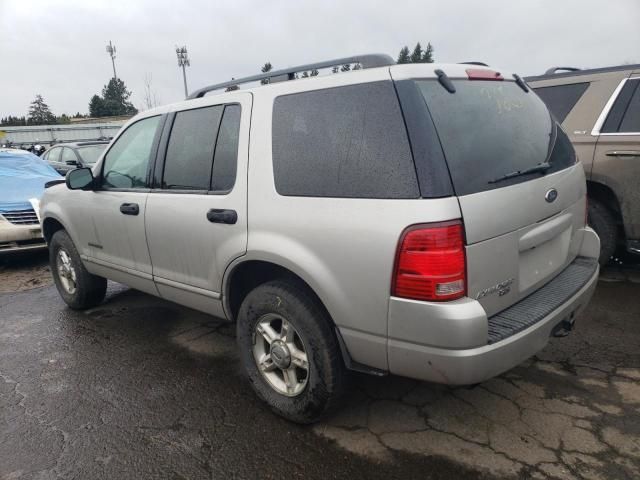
point(562, 98)
point(624, 115)
point(190, 150)
point(491, 129)
point(342, 142)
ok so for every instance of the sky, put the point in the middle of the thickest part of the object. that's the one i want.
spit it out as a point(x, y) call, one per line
point(56, 48)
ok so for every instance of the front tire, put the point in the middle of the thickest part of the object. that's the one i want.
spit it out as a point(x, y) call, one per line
point(77, 287)
point(601, 219)
point(290, 352)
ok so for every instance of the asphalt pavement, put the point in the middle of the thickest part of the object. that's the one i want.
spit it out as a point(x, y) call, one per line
point(142, 388)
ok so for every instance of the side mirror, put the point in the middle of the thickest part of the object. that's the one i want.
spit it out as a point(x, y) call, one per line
point(79, 179)
point(71, 162)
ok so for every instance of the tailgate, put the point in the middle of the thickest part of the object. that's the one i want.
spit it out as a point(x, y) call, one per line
point(517, 240)
point(514, 171)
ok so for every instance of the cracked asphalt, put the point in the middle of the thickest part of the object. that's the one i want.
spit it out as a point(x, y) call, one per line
point(141, 388)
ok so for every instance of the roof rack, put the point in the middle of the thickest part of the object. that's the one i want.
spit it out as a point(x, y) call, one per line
point(480, 64)
point(553, 70)
point(365, 61)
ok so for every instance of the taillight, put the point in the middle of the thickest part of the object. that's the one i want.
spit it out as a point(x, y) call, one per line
point(430, 263)
point(483, 74)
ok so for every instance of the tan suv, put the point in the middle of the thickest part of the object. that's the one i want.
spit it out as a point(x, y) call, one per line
point(600, 111)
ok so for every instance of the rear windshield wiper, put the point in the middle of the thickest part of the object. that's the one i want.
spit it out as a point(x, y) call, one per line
point(539, 168)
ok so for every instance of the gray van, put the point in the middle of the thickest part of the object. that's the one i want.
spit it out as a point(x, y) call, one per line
point(423, 220)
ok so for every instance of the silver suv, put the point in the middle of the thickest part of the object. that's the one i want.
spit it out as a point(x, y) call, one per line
point(421, 220)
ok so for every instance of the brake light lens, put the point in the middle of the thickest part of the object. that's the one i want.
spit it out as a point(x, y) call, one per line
point(483, 74)
point(430, 263)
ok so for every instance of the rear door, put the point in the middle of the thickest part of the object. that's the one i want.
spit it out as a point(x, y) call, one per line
point(196, 218)
point(520, 228)
point(617, 158)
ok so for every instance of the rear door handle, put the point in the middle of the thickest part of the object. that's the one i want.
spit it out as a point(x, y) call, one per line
point(130, 209)
point(623, 153)
point(216, 215)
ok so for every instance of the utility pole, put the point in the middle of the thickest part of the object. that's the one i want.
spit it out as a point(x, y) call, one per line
point(183, 61)
point(111, 50)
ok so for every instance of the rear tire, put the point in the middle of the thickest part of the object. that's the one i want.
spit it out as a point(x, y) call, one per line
point(602, 220)
point(77, 287)
point(280, 330)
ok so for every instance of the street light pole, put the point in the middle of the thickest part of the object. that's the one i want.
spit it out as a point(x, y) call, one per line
point(183, 61)
point(111, 50)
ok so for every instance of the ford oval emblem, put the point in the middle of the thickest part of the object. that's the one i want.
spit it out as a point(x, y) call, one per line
point(551, 195)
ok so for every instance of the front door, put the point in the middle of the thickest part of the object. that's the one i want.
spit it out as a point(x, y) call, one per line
point(117, 243)
point(196, 217)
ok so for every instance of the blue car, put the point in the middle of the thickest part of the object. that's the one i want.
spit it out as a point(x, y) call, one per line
point(22, 179)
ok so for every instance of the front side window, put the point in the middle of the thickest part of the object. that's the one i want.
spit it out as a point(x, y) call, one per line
point(189, 157)
point(91, 153)
point(346, 142)
point(54, 155)
point(126, 163)
point(68, 155)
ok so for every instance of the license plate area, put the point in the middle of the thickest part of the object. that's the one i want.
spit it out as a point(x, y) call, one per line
point(541, 261)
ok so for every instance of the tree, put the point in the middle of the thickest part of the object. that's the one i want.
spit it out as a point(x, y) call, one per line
point(151, 99)
point(404, 57)
point(116, 99)
point(267, 67)
point(39, 113)
point(427, 57)
point(416, 55)
point(96, 107)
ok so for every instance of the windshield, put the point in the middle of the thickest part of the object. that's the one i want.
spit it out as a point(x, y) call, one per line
point(91, 153)
point(490, 129)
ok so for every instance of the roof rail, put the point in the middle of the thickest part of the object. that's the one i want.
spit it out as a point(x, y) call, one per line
point(553, 70)
point(481, 64)
point(365, 61)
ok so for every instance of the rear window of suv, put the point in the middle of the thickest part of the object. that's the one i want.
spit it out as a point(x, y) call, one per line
point(490, 129)
point(342, 142)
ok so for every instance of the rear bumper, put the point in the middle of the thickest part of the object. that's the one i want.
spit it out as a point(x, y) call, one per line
point(465, 366)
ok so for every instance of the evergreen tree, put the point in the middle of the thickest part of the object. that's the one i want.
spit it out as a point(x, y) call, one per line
point(115, 98)
point(427, 57)
point(96, 107)
point(267, 67)
point(416, 55)
point(39, 113)
point(404, 57)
